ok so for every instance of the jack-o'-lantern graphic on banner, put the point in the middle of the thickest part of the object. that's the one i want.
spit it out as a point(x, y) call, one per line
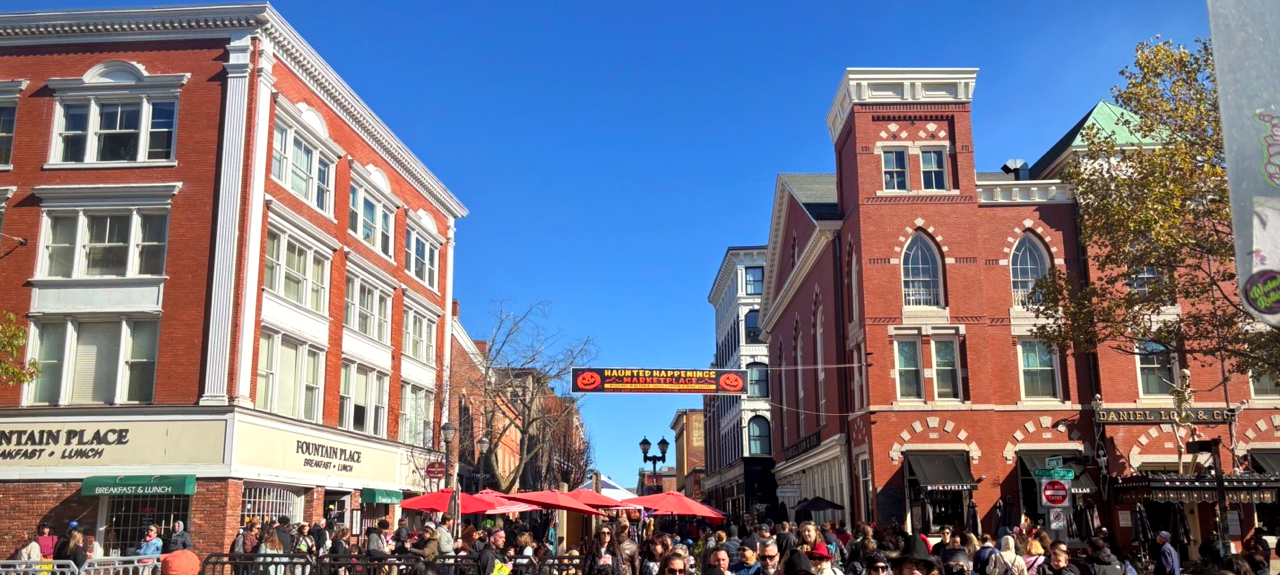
point(649, 380)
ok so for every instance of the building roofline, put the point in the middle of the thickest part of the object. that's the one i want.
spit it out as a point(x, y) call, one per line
point(727, 265)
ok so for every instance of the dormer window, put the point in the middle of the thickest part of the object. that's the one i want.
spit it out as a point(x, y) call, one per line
point(116, 115)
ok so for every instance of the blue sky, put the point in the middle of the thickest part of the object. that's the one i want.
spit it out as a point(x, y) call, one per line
point(610, 151)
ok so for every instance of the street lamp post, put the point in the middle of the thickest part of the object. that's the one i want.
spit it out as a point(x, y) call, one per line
point(654, 459)
point(483, 477)
point(448, 431)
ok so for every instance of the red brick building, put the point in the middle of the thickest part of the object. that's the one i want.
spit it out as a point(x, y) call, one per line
point(905, 379)
point(234, 273)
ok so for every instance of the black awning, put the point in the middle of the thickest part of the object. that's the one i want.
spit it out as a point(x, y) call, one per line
point(1265, 461)
point(942, 471)
point(1038, 460)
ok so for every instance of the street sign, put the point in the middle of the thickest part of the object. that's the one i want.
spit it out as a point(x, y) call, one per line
point(1055, 492)
point(1053, 462)
point(434, 470)
point(1057, 518)
point(788, 491)
point(1054, 473)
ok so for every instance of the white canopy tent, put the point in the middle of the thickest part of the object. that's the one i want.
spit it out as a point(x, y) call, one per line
point(609, 488)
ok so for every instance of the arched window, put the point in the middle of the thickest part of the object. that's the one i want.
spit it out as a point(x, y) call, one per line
point(921, 275)
point(1027, 264)
point(757, 380)
point(752, 322)
point(758, 435)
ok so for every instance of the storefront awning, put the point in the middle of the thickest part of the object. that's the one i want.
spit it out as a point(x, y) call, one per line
point(942, 471)
point(1265, 461)
point(1039, 460)
point(1184, 488)
point(139, 485)
point(369, 495)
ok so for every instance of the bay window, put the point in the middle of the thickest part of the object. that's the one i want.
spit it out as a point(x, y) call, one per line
point(87, 361)
point(368, 308)
point(290, 377)
point(363, 400)
point(104, 242)
point(296, 271)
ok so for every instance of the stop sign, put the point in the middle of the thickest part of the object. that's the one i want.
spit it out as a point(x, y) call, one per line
point(1054, 492)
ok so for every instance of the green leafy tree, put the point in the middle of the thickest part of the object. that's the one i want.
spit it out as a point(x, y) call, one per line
point(1155, 221)
point(15, 369)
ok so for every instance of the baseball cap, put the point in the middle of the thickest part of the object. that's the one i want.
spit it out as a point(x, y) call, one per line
point(180, 562)
point(1164, 534)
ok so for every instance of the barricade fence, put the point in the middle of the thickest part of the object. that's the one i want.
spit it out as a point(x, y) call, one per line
point(122, 566)
point(258, 564)
point(41, 567)
point(299, 564)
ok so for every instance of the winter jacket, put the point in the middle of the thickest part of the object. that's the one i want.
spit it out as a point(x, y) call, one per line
point(1103, 563)
point(629, 553)
point(741, 568)
point(153, 546)
point(1046, 568)
point(176, 541)
point(1169, 563)
point(31, 552)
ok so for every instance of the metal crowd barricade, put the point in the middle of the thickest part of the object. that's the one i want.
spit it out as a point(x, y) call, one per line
point(149, 565)
point(41, 567)
point(560, 565)
point(368, 565)
point(257, 564)
point(454, 565)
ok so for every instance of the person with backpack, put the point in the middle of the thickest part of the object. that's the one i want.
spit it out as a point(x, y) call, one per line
point(982, 556)
point(1006, 561)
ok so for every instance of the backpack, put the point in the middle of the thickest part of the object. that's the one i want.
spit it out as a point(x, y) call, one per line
point(996, 565)
point(237, 546)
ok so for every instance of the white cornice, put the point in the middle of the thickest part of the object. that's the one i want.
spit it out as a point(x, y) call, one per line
point(827, 229)
point(11, 88)
point(898, 86)
point(99, 194)
point(777, 225)
point(225, 21)
point(732, 259)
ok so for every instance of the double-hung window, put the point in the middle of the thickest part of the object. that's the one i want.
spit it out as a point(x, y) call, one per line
point(8, 119)
point(368, 308)
point(302, 164)
point(894, 163)
point(933, 169)
point(1156, 368)
point(946, 369)
point(290, 377)
point(107, 242)
point(757, 380)
point(910, 375)
point(116, 130)
point(419, 335)
point(415, 414)
point(372, 217)
point(363, 400)
point(296, 271)
point(1039, 370)
point(422, 256)
point(755, 280)
point(85, 362)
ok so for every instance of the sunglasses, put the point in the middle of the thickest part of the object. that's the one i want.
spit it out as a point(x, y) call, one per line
point(769, 557)
point(879, 568)
point(674, 571)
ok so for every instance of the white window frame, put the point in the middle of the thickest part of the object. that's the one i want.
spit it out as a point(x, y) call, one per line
point(273, 282)
point(382, 303)
point(1174, 370)
point(419, 435)
point(898, 368)
point(289, 120)
point(751, 436)
point(926, 243)
point(278, 339)
point(1055, 364)
point(67, 359)
point(1028, 242)
point(819, 319)
point(1254, 379)
point(428, 273)
point(79, 248)
point(866, 483)
point(959, 373)
point(430, 323)
point(9, 100)
point(946, 180)
point(93, 129)
point(363, 189)
point(375, 398)
point(905, 168)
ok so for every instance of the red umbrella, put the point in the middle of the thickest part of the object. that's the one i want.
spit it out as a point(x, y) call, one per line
point(593, 499)
point(439, 501)
point(553, 500)
point(502, 505)
point(675, 503)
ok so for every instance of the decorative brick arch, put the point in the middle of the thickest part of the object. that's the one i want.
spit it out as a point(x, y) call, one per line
point(1038, 230)
point(1155, 431)
point(1253, 432)
point(859, 431)
point(933, 425)
point(931, 232)
point(1042, 425)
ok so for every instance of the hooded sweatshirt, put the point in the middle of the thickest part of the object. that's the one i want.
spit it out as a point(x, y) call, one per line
point(1008, 555)
point(1103, 563)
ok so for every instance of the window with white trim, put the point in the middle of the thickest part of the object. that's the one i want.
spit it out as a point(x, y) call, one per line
point(415, 414)
point(819, 319)
point(1039, 370)
point(421, 257)
point(801, 412)
point(8, 119)
point(363, 400)
point(299, 164)
point(933, 169)
point(921, 274)
point(87, 361)
point(755, 280)
point(372, 218)
point(1265, 386)
point(1028, 262)
point(368, 308)
point(290, 377)
point(1143, 279)
point(124, 129)
point(946, 369)
point(419, 339)
point(910, 375)
point(1156, 368)
point(297, 272)
point(894, 163)
point(106, 242)
point(757, 380)
point(868, 492)
point(758, 436)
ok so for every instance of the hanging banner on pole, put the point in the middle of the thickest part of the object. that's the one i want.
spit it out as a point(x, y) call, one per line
point(642, 380)
point(1246, 54)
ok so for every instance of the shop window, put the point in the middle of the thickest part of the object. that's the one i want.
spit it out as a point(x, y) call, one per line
point(129, 516)
point(268, 502)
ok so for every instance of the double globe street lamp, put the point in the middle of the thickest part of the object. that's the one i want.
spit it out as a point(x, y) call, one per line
point(654, 459)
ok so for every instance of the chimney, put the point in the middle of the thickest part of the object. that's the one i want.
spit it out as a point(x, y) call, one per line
point(1018, 167)
point(455, 308)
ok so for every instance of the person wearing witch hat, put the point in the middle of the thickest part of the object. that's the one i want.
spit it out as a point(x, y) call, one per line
point(914, 559)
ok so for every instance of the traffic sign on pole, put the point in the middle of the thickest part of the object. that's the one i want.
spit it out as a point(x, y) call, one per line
point(1057, 518)
point(1055, 492)
point(1064, 473)
point(1053, 462)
